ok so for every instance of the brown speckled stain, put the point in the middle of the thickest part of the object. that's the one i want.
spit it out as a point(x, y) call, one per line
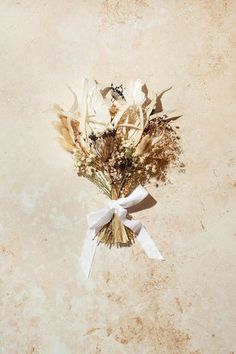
point(137, 329)
point(6, 251)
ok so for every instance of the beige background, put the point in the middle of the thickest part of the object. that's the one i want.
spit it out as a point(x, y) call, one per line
point(130, 304)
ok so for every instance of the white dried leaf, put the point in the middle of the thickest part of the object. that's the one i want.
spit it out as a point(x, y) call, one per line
point(134, 94)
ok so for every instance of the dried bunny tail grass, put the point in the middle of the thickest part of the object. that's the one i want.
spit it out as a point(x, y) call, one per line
point(57, 126)
point(67, 146)
point(69, 124)
point(65, 141)
point(69, 120)
point(72, 126)
point(69, 130)
point(63, 131)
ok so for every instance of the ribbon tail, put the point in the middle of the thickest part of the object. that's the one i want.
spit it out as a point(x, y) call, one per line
point(88, 252)
point(148, 245)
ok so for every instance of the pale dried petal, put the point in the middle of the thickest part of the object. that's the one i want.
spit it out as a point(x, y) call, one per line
point(57, 126)
point(66, 145)
point(134, 94)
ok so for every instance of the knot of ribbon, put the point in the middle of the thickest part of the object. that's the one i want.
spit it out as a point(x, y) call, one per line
point(99, 218)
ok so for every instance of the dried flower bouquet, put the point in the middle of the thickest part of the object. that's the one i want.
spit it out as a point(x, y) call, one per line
point(120, 138)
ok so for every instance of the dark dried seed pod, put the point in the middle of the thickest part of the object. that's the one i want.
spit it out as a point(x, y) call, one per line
point(93, 137)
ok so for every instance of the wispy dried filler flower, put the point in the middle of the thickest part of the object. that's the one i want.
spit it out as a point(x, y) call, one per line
point(119, 138)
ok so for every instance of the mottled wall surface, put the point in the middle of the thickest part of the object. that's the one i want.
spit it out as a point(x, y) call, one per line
point(131, 304)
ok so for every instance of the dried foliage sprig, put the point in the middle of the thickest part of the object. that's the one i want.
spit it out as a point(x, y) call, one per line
point(119, 138)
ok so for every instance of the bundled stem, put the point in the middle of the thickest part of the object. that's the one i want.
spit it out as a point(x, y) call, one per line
point(115, 233)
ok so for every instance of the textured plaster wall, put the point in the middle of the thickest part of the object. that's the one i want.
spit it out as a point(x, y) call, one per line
point(130, 304)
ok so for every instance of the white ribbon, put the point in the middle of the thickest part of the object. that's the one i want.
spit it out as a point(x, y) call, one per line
point(97, 219)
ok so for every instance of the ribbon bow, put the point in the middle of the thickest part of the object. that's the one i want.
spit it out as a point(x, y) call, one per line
point(97, 219)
